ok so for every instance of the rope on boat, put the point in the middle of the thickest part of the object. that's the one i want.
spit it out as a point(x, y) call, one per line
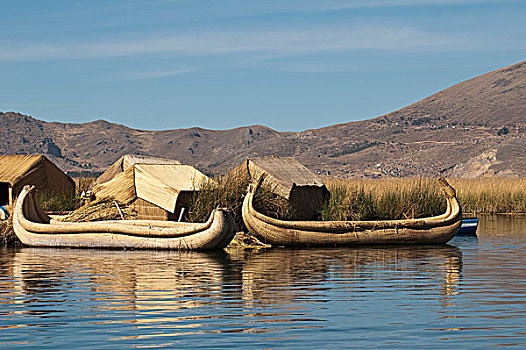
point(119, 209)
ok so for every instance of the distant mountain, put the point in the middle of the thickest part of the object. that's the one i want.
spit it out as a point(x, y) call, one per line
point(475, 128)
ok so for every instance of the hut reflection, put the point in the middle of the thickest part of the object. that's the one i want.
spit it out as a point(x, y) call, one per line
point(268, 275)
point(7, 284)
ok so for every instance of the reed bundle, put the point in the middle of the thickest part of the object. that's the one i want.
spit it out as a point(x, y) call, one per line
point(100, 211)
point(7, 234)
point(247, 241)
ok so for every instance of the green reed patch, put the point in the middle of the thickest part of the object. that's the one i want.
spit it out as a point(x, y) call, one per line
point(359, 199)
point(228, 192)
point(50, 201)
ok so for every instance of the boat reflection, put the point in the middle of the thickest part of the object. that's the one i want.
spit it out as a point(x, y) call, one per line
point(167, 293)
point(273, 276)
point(115, 279)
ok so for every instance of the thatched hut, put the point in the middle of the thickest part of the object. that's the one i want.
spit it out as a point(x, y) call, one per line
point(155, 191)
point(19, 170)
point(127, 161)
point(288, 178)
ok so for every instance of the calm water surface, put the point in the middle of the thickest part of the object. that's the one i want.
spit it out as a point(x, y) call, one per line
point(469, 293)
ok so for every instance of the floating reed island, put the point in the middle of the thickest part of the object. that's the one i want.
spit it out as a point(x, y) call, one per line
point(138, 188)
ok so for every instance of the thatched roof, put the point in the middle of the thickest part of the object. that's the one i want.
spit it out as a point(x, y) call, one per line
point(159, 184)
point(15, 167)
point(19, 170)
point(127, 161)
point(282, 174)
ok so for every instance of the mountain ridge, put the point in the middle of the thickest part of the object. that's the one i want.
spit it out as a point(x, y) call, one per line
point(473, 128)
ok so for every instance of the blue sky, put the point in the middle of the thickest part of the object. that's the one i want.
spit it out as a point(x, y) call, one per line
point(289, 65)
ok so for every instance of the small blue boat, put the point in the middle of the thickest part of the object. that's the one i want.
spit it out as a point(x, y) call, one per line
point(469, 226)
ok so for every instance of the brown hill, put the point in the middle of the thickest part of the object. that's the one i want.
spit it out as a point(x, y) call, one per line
point(475, 128)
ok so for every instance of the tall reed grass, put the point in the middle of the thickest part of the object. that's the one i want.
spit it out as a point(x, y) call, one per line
point(221, 192)
point(228, 192)
point(50, 201)
point(83, 184)
point(364, 199)
point(491, 195)
point(382, 199)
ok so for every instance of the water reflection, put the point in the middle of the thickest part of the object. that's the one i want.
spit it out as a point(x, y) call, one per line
point(167, 281)
point(116, 277)
point(149, 298)
point(273, 276)
point(501, 226)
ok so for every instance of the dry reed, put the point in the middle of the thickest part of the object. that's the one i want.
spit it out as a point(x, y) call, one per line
point(382, 199)
point(491, 195)
point(7, 234)
point(228, 192)
point(100, 211)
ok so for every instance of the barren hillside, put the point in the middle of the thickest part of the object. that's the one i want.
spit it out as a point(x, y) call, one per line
point(475, 128)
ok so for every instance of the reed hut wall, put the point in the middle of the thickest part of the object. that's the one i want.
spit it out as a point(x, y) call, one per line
point(126, 161)
point(155, 191)
point(288, 178)
point(16, 171)
point(149, 211)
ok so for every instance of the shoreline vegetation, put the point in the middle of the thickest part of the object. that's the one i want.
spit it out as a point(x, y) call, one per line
point(393, 198)
point(372, 199)
point(351, 199)
point(491, 195)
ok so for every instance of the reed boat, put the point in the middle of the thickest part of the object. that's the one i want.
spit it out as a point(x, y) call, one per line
point(35, 228)
point(429, 230)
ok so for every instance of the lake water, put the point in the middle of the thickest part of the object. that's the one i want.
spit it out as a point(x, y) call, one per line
point(470, 293)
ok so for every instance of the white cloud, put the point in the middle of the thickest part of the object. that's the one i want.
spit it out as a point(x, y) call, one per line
point(339, 4)
point(158, 73)
point(285, 41)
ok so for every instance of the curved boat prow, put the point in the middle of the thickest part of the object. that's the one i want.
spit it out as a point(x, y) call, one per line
point(448, 190)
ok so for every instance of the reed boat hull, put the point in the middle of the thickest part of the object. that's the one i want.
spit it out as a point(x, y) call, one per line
point(433, 230)
point(34, 228)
